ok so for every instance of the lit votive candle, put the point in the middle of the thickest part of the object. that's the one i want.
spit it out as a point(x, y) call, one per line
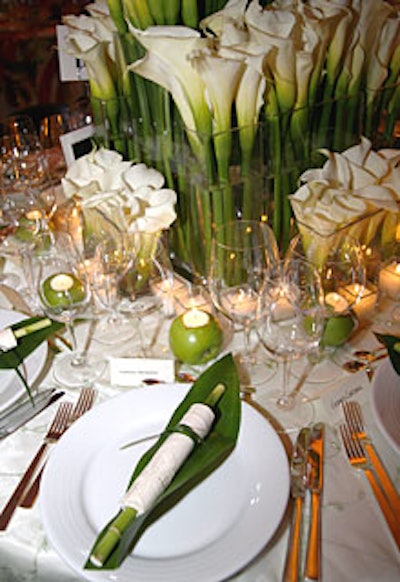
point(389, 280)
point(195, 318)
point(363, 300)
point(338, 303)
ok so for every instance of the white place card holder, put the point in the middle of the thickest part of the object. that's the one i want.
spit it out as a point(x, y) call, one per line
point(136, 371)
point(77, 143)
point(71, 68)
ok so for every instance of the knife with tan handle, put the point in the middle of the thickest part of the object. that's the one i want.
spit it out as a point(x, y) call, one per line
point(298, 476)
point(315, 485)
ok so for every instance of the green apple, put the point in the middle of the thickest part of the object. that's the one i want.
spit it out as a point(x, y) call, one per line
point(63, 290)
point(195, 337)
point(338, 329)
point(26, 229)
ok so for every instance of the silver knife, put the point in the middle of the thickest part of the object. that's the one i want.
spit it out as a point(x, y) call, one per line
point(25, 411)
point(315, 485)
point(298, 484)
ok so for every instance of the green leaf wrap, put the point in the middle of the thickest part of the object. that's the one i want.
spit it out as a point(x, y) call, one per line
point(390, 341)
point(204, 459)
point(27, 344)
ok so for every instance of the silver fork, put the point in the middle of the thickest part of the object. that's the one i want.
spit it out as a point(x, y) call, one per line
point(56, 429)
point(355, 422)
point(358, 459)
point(83, 404)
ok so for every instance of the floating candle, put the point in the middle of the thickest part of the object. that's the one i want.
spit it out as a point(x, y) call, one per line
point(195, 337)
point(195, 318)
point(63, 290)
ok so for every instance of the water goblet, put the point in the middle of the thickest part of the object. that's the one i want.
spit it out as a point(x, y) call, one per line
point(292, 327)
point(243, 252)
point(112, 260)
point(64, 293)
point(146, 290)
point(25, 168)
point(343, 278)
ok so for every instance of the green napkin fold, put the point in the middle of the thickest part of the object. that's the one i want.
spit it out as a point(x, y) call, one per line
point(12, 359)
point(392, 343)
point(204, 459)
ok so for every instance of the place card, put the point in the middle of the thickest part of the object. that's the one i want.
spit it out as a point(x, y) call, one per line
point(136, 371)
point(70, 68)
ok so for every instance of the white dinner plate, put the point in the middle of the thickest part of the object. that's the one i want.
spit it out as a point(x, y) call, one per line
point(215, 530)
point(385, 402)
point(11, 387)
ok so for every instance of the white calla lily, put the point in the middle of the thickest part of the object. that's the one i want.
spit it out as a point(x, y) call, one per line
point(166, 63)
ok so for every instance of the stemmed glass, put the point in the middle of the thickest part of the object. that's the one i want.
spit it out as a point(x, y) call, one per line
point(343, 278)
point(243, 252)
point(112, 260)
point(27, 197)
point(147, 287)
point(26, 170)
point(64, 293)
point(292, 327)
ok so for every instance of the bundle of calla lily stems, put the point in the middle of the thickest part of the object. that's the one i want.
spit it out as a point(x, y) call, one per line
point(190, 86)
point(200, 435)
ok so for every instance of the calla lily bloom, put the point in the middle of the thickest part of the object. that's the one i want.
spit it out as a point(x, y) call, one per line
point(166, 64)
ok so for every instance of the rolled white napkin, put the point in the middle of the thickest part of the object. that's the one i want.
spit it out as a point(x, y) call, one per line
point(166, 461)
point(8, 341)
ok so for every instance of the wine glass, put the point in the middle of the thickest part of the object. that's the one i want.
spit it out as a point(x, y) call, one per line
point(113, 258)
point(292, 327)
point(27, 172)
point(64, 293)
point(51, 128)
point(146, 289)
point(343, 278)
point(243, 252)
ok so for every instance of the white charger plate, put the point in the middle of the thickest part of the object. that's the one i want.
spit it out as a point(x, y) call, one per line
point(213, 532)
point(11, 387)
point(385, 402)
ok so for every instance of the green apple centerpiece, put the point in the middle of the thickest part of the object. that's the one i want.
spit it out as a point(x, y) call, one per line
point(195, 337)
point(338, 329)
point(63, 290)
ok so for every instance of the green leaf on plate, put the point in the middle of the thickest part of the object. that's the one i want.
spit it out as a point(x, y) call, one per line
point(12, 359)
point(204, 459)
point(392, 343)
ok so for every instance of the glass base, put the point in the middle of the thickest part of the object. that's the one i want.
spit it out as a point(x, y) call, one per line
point(323, 369)
point(73, 375)
point(255, 369)
point(111, 331)
point(291, 413)
point(10, 279)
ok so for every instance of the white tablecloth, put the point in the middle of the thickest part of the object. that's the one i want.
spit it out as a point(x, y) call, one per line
point(356, 543)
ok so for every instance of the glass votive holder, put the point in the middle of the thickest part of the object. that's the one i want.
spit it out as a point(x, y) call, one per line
point(193, 297)
point(389, 295)
point(363, 300)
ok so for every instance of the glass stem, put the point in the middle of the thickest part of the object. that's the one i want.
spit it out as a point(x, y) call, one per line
point(79, 358)
point(247, 333)
point(285, 400)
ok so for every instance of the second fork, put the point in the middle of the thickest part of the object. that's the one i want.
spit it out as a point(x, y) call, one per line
point(84, 403)
point(355, 422)
point(56, 429)
point(358, 460)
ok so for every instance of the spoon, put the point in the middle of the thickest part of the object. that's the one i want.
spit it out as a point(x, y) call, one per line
point(354, 366)
point(367, 355)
